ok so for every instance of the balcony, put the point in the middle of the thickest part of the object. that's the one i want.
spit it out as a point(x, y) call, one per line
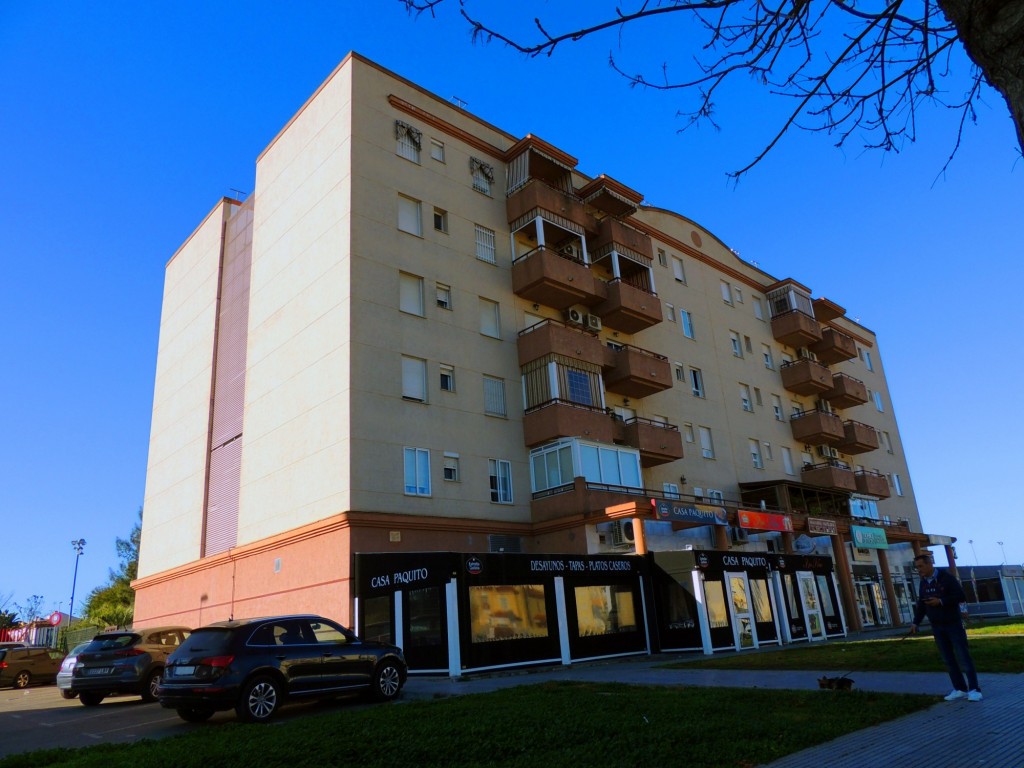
point(872, 484)
point(563, 418)
point(829, 474)
point(658, 443)
point(816, 427)
point(846, 391)
point(562, 206)
point(552, 337)
point(627, 308)
point(621, 238)
point(834, 347)
point(544, 276)
point(633, 372)
point(806, 377)
point(582, 498)
point(857, 438)
point(795, 328)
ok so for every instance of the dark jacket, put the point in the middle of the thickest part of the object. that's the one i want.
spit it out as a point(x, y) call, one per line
point(944, 586)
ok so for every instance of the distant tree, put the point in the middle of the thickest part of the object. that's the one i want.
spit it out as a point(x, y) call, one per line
point(29, 610)
point(8, 619)
point(859, 67)
point(113, 604)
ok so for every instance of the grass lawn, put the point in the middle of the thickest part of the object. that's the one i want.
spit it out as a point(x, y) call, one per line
point(995, 647)
point(547, 724)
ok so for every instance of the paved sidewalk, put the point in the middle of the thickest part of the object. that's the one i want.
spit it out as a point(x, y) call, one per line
point(989, 733)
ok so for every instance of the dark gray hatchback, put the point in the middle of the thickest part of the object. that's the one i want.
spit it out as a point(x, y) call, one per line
point(124, 661)
point(255, 665)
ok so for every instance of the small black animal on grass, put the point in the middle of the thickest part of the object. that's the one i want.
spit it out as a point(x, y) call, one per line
point(843, 683)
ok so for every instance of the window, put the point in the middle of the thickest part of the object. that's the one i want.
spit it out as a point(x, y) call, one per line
point(697, 382)
point(490, 318)
point(410, 294)
point(579, 387)
point(662, 259)
point(766, 353)
point(726, 292)
point(747, 345)
point(877, 397)
point(414, 379)
point(787, 461)
point(777, 408)
point(887, 441)
point(437, 150)
point(409, 218)
point(447, 378)
point(483, 175)
point(444, 296)
point(440, 220)
point(670, 490)
point(757, 396)
point(716, 496)
point(795, 409)
point(494, 396)
point(737, 348)
point(408, 140)
point(737, 294)
point(485, 248)
point(755, 454)
point(501, 480)
point(707, 447)
point(897, 484)
point(688, 432)
point(677, 270)
point(758, 308)
point(687, 322)
point(867, 360)
point(417, 471)
point(680, 372)
point(745, 398)
point(766, 449)
point(670, 312)
point(451, 467)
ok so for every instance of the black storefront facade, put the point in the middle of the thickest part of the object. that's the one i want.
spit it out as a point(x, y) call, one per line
point(457, 613)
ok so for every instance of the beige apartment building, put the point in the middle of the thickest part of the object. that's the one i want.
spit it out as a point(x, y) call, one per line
point(423, 334)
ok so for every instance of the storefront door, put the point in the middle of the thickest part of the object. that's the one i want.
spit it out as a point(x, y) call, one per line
point(811, 606)
point(741, 611)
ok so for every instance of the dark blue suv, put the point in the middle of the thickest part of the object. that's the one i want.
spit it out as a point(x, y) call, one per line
point(255, 665)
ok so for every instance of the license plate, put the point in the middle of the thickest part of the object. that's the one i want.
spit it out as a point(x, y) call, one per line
point(182, 671)
point(97, 670)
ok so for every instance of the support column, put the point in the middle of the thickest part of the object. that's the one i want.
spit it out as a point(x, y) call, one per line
point(787, 542)
point(639, 539)
point(722, 538)
point(845, 577)
point(890, 590)
point(951, 560)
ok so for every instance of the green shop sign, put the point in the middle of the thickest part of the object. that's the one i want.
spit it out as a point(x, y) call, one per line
point(869, 538)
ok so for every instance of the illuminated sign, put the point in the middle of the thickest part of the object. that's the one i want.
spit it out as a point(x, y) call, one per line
point(678, 512)
point(763, 521)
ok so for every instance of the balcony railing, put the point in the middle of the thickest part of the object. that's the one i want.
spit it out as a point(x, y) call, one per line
point(857, 438)
point(872, 484)
point(563, 418)
point(834, 347)
point(557, 280)
point(816, 427)
point(658, 442)
point(805, 377)
point(537, 195)
point(553, 337)
point(795, 328)
point(629, 309)
point(846, 391)
point(634, 372)
point(829, 474)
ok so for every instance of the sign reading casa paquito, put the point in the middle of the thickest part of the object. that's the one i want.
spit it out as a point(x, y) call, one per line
point(869, 538)
point(819, 527)
point(678, 511)
point(764, 521)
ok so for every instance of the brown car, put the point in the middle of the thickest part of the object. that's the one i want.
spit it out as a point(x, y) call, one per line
point(21, 667)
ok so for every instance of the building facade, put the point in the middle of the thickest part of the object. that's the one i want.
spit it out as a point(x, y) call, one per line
point(423, 334)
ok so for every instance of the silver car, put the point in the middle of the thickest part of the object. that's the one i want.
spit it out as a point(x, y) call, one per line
point(66, 668)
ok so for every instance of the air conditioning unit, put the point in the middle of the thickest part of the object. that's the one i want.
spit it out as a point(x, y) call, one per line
point(827, 453)
point(570, 251)
point(574, 316)
point(622, 532)
point(593, 322)
point(738, 535)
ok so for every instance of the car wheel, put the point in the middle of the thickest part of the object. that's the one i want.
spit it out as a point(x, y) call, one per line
point(22, 680)
point(67, 694)
point(91, 698)
point(152, 686)
point(260, 699)
point(195, 714)
point(387, 681)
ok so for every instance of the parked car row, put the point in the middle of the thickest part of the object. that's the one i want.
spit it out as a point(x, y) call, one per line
point(253, 666)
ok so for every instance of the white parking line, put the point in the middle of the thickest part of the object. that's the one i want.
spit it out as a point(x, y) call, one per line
point(99, 734)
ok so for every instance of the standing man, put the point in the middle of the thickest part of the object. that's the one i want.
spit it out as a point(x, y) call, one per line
point(942, 598)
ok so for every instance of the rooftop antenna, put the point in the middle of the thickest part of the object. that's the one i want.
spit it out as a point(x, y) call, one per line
point(459, 102)
point(239, 194)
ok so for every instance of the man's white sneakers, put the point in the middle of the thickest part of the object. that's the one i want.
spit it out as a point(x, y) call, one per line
point(957, 695)
point(974, 695)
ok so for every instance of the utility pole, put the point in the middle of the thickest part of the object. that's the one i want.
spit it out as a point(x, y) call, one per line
point(79, 547)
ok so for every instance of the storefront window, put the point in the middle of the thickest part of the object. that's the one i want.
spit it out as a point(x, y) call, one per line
point(425, 616)
point(718, 616)
point(827, 607)
point(507, 612)
point(759, 597)
point(377, 620)
point(680, 606)
point(605, 610)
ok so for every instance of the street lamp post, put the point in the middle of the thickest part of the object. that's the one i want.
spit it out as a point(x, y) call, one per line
point(1002, 550)
point(79, 547)
point(971, 542)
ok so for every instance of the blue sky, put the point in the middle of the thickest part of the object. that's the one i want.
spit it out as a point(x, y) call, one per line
point(122, 124)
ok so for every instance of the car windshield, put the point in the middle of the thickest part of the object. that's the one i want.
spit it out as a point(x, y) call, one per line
point(110, 642)
point(78, 649)
point(213, 640)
